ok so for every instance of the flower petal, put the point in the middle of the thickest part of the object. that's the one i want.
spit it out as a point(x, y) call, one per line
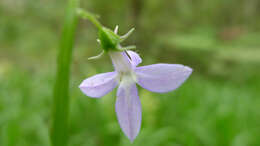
point(135, 58)
point(162, 77)
point(99, 85)
point(120, 61)
point(128, 110)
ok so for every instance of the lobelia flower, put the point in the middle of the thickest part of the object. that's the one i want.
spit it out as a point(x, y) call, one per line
point(159, 78)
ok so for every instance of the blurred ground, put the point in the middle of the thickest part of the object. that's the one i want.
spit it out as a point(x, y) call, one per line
point(219, 104)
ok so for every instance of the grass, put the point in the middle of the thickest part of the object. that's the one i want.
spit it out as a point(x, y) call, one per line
point(61, 102)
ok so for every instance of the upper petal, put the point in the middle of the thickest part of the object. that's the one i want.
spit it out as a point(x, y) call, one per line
point(124, 62)
point(162, 77)
point(99, 85)
point(120, 61)
point(128, 110)
point(135, 58)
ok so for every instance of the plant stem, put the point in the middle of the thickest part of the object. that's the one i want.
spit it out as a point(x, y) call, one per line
point(91, 17)
point(60, 111)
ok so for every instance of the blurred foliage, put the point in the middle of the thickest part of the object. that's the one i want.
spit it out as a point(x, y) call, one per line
point(218, 106)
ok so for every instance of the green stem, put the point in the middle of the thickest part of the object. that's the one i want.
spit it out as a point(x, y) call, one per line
point(59, 131)
point(91, 17)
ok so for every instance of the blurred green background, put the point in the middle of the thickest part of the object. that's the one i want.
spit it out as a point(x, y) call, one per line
point(219, 105)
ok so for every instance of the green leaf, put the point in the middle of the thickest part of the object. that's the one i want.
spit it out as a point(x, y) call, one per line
point(59, 131)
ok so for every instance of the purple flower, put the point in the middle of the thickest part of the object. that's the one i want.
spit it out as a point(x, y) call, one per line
point(159, 78)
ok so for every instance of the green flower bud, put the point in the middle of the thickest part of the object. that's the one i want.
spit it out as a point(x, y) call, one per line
point(108, 39)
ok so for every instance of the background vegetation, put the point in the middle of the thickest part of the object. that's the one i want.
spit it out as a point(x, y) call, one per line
point(219, 105)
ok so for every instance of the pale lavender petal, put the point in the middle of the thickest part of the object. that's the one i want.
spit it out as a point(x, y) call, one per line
point(135, 58)
point(120, 61)
point(162, 77)
point(99, 85)
point(128, 110)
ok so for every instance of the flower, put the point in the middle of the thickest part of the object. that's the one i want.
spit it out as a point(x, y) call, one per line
point(156, 78)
